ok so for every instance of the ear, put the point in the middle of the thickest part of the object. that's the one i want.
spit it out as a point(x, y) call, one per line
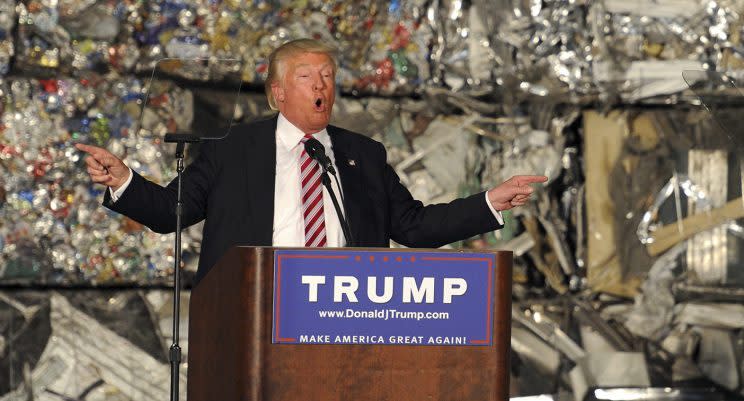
point(278, 92)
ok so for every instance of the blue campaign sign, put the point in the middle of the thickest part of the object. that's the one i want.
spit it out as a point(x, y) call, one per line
point(388, 297)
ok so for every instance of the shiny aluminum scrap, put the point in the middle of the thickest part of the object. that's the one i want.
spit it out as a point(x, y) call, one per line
point(573, 50)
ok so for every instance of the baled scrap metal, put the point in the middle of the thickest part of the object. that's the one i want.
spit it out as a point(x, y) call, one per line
point(531, 348)
point(568, 50)
point(55, 221)
point(654, 308)
point(692, 292)
point(128, 368)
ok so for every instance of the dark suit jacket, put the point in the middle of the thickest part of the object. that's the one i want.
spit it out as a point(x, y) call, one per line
point(231, 185)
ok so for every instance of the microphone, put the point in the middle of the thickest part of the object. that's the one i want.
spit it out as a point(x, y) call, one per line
point(316, 151)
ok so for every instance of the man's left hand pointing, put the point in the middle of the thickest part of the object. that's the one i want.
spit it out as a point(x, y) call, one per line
point(514, 192)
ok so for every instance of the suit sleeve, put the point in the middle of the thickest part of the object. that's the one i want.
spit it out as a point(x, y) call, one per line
point(154, 206)
point(415, 225)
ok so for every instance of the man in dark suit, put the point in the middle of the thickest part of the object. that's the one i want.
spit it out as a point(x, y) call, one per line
point(258, 186)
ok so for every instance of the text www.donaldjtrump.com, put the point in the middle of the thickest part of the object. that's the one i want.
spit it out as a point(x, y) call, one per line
point(384, 314)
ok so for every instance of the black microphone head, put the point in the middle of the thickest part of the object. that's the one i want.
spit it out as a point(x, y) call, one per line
point(314, 148)
point(316, 151)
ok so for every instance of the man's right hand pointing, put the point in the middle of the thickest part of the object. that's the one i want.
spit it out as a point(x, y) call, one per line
point(103, 167)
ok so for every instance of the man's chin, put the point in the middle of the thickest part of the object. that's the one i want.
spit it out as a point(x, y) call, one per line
point(310, 124)
point(320, 122)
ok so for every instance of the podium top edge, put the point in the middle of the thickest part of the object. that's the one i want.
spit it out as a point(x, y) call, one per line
point(371, 249)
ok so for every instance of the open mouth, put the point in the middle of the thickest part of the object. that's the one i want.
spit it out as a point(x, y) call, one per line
point(319, 104)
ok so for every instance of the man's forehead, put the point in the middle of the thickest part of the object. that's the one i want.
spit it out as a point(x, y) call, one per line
point(321, 65)
point(310, 58)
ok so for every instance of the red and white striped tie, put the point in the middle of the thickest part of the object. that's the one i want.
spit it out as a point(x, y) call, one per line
point(312, 200)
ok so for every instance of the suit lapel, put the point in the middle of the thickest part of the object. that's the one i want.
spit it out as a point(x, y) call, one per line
point(351, 180)
point(261, 157)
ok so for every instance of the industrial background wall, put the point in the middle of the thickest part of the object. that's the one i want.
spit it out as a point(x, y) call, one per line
point(629, 262)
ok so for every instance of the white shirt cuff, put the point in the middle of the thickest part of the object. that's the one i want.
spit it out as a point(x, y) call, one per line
point(496, 213)
point(115, 195)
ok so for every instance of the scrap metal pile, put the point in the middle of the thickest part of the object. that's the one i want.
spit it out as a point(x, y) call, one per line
point(627, 262)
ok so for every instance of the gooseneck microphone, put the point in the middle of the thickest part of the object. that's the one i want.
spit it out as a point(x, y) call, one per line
point(316, 151)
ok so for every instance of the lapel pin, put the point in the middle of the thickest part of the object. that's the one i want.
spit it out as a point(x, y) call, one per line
point(352, 162)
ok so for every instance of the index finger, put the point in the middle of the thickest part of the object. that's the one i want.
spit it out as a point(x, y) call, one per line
point(531, 179)
point(93, 150)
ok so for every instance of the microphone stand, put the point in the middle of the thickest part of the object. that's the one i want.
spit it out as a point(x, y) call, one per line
point(344, 223)
point(175, 349)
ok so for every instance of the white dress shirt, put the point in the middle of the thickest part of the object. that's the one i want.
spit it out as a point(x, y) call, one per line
point(289, 224)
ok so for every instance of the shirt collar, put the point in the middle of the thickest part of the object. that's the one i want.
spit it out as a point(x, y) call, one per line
point(290, 136)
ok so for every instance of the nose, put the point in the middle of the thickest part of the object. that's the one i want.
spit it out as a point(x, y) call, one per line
point(318, 83)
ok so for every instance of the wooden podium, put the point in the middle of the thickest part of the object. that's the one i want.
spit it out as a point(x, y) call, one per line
point(231, 356)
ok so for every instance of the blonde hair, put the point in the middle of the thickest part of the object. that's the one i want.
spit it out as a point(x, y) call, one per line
point(288, 50)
